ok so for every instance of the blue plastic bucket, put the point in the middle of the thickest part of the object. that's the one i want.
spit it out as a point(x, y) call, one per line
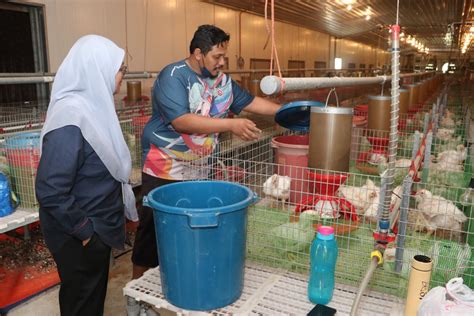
point(201, 232)
point(23, 140)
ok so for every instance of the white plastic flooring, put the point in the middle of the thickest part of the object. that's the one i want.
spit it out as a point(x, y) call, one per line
point(20, 217)
point(269, 292)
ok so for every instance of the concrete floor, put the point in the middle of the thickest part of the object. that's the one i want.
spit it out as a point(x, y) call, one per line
point(46, 304)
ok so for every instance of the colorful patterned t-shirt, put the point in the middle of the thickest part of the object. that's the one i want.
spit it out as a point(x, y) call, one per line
point(178, 90)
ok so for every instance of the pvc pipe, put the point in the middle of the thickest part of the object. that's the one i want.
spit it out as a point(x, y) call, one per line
point(393, 137)
point(50, 78)
point(402, 223)
point(25, 80)
point(272, 84)
point(363, 285)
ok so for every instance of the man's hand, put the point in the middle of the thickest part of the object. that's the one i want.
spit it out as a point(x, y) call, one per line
point(244, 129)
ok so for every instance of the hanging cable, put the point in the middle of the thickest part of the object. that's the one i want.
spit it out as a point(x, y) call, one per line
point(394, 117)
point(274, 52)
point(126, 35)
point(146, 29)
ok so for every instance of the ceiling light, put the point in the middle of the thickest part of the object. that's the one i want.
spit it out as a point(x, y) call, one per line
point(348, 1)
point(367, 17)
point(349, 7)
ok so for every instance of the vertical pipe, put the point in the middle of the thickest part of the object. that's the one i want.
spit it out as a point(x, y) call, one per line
point(393, 137)
point(435, 118)
point(402, 223)
point(424, 175)
point(383, 193)
point(416, 144)
point(426, 123)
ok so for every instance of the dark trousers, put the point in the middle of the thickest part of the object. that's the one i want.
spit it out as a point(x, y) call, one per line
point(84, 272)
point(145, 252)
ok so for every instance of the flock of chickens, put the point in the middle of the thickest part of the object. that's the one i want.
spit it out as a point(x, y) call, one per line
point(432, 212)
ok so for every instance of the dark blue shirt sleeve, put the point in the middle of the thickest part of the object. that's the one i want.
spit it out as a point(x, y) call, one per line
point(61, 157)
point(170, 96)
point(241, 98)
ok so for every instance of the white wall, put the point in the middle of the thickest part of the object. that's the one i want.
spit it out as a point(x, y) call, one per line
point(157, 32)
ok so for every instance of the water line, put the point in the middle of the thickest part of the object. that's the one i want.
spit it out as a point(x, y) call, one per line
point(393, 137)
point(363, 285)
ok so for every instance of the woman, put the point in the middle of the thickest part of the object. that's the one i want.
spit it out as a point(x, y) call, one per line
point(83, 173)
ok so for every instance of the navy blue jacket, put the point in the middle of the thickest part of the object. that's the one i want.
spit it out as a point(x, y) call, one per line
point(77, 194)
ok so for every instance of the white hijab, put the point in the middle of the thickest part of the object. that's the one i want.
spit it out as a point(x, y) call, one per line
point(82, 96)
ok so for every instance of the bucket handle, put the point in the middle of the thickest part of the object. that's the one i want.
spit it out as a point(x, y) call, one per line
point(329, 95)
point(203, 220)
point(145, 201)
point(255, 198)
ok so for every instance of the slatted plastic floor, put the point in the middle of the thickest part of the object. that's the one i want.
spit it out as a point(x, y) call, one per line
point(268, 292)
point(18, 218)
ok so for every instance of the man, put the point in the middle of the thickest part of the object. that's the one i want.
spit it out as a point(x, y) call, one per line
point(191, 101)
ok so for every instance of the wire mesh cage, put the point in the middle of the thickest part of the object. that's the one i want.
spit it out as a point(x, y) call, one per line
point(20, 157)
point(296, 199)
point(20, 147)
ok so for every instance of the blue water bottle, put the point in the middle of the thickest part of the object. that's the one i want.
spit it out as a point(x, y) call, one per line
point(323, 265)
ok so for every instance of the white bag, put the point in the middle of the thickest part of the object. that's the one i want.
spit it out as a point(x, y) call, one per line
point(455, 299)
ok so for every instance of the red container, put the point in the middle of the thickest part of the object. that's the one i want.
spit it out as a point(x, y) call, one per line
point(23, 157)
point(291, 152)
point(361, 110)
point(22, 149)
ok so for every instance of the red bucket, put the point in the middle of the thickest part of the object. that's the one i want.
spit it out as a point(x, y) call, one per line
point(291, 152)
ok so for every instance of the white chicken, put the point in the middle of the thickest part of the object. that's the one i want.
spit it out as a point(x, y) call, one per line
point(360, 197)
point(294, 236)
point(448, 113)
point(447, 121)
point(445, 134)
point(438, 213)
point(403, 163)
point(377, 159)
point(451, 160)
point(453, 156)
point(277, 187)
point(446, 166)
point(371, 212)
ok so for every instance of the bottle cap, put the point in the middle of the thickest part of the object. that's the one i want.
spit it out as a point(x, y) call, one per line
point(326, 230)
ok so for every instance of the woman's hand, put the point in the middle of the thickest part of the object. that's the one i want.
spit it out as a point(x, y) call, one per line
point(85, 242)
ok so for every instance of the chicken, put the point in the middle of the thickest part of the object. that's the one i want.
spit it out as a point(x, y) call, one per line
point(295, 236)
point(277, 187)
point(453, 156)
point(377, 159)
point(437, 212)
point(446, 166)
point(371, 212)
point(451, 160)
point(327, 209)
point(449, 114)
point(399, 163)
point(403, 163)
point(447, 121)
point(445, 134)
point(360, 197)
